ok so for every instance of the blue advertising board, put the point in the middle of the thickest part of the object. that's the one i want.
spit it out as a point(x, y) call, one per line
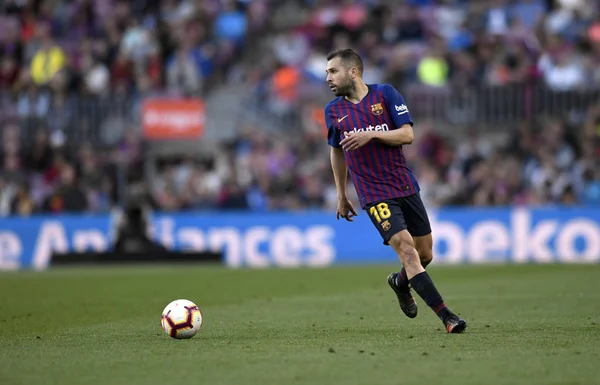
point(461, 235)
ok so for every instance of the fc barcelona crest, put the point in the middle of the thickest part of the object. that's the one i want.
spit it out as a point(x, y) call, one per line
point(377, 109)
point(386, 225)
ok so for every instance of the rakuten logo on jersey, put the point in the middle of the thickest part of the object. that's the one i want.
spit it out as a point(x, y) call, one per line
point(370, 127)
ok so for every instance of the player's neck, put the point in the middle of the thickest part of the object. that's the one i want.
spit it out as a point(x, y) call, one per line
point(360, 91)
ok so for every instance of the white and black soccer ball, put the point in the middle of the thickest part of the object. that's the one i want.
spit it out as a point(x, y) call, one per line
point(181, 319)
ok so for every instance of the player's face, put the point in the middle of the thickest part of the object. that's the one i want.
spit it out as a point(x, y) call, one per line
point(339, 78)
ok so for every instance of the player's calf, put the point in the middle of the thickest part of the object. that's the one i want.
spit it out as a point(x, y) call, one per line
point(424, 246)
point(426, 256)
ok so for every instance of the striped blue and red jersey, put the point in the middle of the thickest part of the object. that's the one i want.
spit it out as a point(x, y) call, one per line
point(378, 171)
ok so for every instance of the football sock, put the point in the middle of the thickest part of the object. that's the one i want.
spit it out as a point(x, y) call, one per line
point(402, 279)
point(424, 286)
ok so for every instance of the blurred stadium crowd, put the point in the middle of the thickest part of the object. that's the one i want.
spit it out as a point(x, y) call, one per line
point(73, 75)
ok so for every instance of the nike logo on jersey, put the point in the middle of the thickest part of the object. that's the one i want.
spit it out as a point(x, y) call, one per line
point(342, 118)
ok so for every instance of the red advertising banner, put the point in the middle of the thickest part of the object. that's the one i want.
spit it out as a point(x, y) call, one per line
point(173, 119)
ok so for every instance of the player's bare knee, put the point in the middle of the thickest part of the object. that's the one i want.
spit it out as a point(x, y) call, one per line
point(403, 243)
point(400, 239)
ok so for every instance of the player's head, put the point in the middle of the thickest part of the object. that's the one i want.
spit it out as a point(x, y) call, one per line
point(344, 69)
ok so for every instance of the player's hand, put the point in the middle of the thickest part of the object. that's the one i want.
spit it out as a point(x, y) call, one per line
point(345, 210)
point(357, 140)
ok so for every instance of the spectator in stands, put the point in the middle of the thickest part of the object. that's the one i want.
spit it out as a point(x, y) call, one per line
point(9, 72)
point(563, 72)
point(433, 68)
point(77, 71)
point(48, 60)
point(183, 75)
point(68, 196)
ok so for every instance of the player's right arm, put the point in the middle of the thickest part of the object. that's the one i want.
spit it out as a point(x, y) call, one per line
point(340, 171)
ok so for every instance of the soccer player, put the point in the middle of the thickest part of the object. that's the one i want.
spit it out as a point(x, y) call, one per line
point(367, 127)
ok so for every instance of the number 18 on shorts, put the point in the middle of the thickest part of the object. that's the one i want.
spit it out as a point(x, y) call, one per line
point(394, 215)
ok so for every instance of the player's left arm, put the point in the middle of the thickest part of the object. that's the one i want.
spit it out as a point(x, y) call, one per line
point(396, 106)
point(398, 137)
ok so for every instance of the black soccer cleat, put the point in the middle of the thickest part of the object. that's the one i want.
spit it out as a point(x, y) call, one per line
point(455, 324)
point(405, 297)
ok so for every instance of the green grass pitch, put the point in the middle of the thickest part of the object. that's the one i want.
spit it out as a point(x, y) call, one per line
point(527, 325)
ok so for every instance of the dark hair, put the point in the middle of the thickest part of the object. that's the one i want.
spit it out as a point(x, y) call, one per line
point(349, 58)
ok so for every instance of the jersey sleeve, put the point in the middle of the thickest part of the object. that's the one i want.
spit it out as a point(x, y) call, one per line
point(332, 137)
point(396, 106)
